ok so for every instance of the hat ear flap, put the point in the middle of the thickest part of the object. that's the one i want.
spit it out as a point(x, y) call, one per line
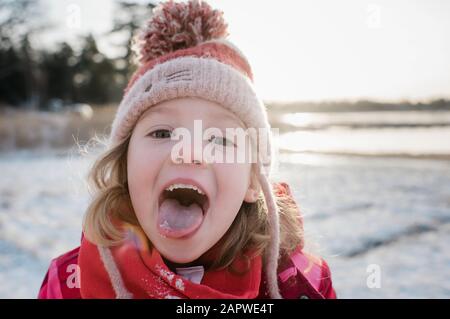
point(274, 245)
point(254, 188)
point(251, 196)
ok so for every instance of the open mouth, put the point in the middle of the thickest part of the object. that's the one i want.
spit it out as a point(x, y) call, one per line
point(182, 208)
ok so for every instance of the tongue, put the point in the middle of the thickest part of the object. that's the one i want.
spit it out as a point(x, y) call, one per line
point(176, 220)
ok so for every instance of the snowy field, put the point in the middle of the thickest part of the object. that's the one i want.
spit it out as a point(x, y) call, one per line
point(359, 211)
point(391, 213)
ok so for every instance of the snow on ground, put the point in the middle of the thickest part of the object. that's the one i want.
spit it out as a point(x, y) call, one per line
point(42, 200)
point(393, 213)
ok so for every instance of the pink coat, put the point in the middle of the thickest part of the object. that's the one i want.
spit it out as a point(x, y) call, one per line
point(302, 278)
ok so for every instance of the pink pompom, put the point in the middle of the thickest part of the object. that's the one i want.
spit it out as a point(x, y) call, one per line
point(175, 26)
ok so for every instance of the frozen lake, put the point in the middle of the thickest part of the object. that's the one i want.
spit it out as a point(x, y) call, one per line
point(408, 133)
point(392, 213)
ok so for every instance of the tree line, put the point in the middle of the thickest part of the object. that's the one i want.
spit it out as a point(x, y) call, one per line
point(34, 77)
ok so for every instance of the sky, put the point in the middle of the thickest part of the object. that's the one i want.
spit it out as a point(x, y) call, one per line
point(314, 50)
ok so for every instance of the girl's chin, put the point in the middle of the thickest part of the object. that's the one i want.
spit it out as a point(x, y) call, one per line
point(185, 253)
point(174, 260)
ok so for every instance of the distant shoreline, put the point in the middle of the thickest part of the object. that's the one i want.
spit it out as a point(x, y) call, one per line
point(358, 106)
point(438, 157)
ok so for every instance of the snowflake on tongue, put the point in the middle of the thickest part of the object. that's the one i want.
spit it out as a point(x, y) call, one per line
point(165, 225)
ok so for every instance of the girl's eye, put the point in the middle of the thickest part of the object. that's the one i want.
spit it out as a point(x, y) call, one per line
point(161, 133)
point(221, 141)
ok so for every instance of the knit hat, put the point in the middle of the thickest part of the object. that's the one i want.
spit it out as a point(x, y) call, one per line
point(183, 52)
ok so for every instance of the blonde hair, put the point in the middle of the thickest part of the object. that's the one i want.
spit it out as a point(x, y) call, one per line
point(111, 201)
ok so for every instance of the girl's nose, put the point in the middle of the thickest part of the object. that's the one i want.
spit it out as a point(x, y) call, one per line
point(194, 155)
point(196, 158)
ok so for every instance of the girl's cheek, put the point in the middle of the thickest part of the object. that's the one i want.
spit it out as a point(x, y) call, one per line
point(240, 169)
point(232, 175)
point(150, 150)
point(146, 166)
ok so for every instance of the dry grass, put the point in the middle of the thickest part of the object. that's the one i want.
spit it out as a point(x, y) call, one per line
point(30, 129)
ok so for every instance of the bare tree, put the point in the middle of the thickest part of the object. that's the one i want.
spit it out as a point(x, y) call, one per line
point(129, 17)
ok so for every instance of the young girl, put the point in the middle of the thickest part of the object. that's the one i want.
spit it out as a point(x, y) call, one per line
point(177, 222)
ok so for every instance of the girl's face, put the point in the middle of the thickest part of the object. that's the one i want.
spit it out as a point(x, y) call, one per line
point(182, 223)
